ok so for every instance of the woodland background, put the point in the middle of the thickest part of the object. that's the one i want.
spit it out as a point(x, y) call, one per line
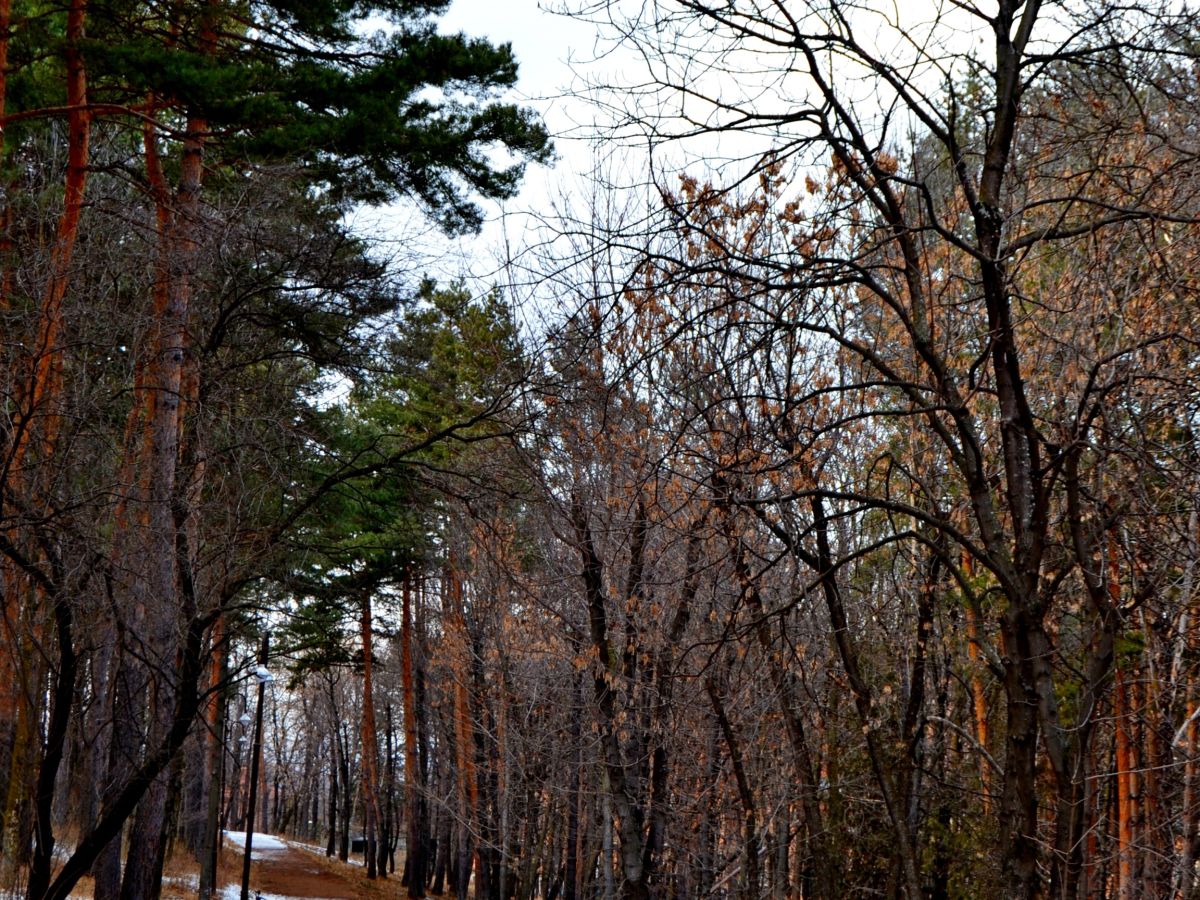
point(833, 534)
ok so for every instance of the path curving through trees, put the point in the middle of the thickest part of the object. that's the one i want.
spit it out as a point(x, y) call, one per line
point(283, 871)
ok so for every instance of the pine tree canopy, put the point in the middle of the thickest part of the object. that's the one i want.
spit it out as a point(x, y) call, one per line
point(369, 99)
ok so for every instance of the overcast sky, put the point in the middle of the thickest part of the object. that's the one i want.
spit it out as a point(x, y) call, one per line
point(555, 52)
point(543, 43)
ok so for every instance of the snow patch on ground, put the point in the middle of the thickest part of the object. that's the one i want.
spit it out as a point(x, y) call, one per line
point(263, 844)
point(234, 892)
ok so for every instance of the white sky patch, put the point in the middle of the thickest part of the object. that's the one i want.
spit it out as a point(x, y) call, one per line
point(547, 46)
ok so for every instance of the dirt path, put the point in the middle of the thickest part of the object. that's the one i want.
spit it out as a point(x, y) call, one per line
point(281, 871)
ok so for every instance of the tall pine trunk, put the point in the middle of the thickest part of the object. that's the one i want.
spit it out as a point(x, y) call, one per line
point(415, 864)
point(178, 247)
point(38, 435)
point(466, 781)
point(370, 750)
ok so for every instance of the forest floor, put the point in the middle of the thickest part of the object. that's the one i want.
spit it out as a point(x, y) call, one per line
point(281, 870)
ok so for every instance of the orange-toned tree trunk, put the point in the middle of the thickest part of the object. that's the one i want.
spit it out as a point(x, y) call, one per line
point(1125, 888)
point(42, 413)
point(121, 679)
point(1187, 739)
point(36, 436)
point(159, 461)
point(1191, 783)
point(1124, 754)
point(979, 704)
point(17, 758)
point(215, 736)
point(1149, 800)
